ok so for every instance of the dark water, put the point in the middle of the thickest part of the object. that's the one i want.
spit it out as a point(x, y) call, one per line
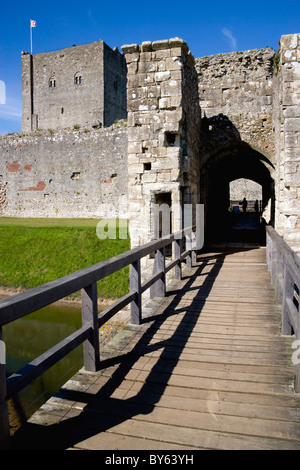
point(31, 336)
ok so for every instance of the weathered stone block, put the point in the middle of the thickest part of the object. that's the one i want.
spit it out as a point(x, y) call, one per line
point(164, 176)
point(292, 111)
point(132, 68)
point(146, 46)
point(176, 52)
point(162, 76)
point(130, 48)
point(175, 115)
point(145, 57)
point(149, 177)
point(153, 91)
point(160, 44)
point(134, 147)
point(146, 79)
point(161, 54)
point(133, 57)
point(146, 67)
point(176, 75)
point(164, 103)
point(173, 126)
point(170, 88)
point(174, 63)
point(292, 124)
point(291, 139)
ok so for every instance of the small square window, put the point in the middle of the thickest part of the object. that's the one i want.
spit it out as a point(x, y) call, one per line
point(147, 166)
point(170, 138)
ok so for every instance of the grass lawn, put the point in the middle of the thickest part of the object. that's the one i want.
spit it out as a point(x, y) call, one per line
point(36, 251)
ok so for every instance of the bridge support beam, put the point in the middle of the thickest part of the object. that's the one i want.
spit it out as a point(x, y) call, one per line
point(135, 286)
point(91, 348)
point(158, 289)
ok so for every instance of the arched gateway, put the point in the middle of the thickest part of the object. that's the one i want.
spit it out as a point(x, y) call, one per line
point(196, 125)
point(175, 152)
point(225, 158)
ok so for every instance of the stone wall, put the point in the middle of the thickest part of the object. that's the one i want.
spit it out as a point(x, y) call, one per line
point(163, 132)
point(245, 188)
point(249, 101)
point(239, 86)
point(81, 85)
point(287, 132)
point(64, 174)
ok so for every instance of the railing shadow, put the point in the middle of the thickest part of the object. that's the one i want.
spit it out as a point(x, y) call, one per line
point(101, 411)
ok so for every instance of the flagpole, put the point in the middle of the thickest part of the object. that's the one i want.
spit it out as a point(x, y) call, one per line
point(30, 37)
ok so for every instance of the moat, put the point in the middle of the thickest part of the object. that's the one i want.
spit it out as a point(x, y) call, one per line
point(29, 337)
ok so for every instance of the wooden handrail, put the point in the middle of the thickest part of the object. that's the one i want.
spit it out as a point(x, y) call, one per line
point(22, 304)
point(284, 266)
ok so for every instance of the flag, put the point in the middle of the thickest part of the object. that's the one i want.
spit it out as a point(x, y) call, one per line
point(33, 23)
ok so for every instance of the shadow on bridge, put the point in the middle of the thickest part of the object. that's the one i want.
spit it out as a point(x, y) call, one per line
point(101, 411)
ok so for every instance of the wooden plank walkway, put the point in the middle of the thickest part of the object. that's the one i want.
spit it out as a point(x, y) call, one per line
point(209, 370)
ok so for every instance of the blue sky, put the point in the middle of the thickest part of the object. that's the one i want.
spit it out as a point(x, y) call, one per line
point(208, 26)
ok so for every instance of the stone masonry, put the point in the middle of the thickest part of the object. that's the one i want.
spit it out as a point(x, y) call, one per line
point(78, 86)
point(163, 132)
point(239, 85)
point(185, 116)
point(64, 174)
point(287, 137)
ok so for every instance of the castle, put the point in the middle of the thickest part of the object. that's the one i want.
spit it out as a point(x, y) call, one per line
point(190, 127)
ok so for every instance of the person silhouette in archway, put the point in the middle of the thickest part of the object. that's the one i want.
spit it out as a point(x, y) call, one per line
point(256, 208)
point(244, 204)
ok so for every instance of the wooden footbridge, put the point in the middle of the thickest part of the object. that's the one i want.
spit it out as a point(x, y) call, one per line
point(208, 364)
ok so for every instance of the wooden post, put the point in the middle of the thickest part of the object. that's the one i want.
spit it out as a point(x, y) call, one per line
point(286, 328)
point(91, 347)
point(135, 286)
point(193, 248)
point(188, 239)
point(4, 420)
point(279, 280)
point(177, 253)
point(158, 289)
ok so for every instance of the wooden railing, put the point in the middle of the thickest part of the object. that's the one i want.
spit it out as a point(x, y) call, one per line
point(284, 266)
point(86, 279)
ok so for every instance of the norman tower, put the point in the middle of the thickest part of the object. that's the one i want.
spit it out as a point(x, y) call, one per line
point(81, 85)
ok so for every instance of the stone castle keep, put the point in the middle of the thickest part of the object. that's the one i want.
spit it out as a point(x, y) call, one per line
point(108, 134)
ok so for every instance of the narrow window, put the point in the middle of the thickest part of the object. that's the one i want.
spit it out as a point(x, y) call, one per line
point(62, 110)
point(77, 79)
point(52, 82)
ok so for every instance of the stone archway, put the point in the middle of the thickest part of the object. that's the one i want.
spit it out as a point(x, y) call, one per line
point(223, 165)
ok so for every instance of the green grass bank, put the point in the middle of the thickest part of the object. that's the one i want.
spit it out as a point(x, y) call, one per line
point(36, 251)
